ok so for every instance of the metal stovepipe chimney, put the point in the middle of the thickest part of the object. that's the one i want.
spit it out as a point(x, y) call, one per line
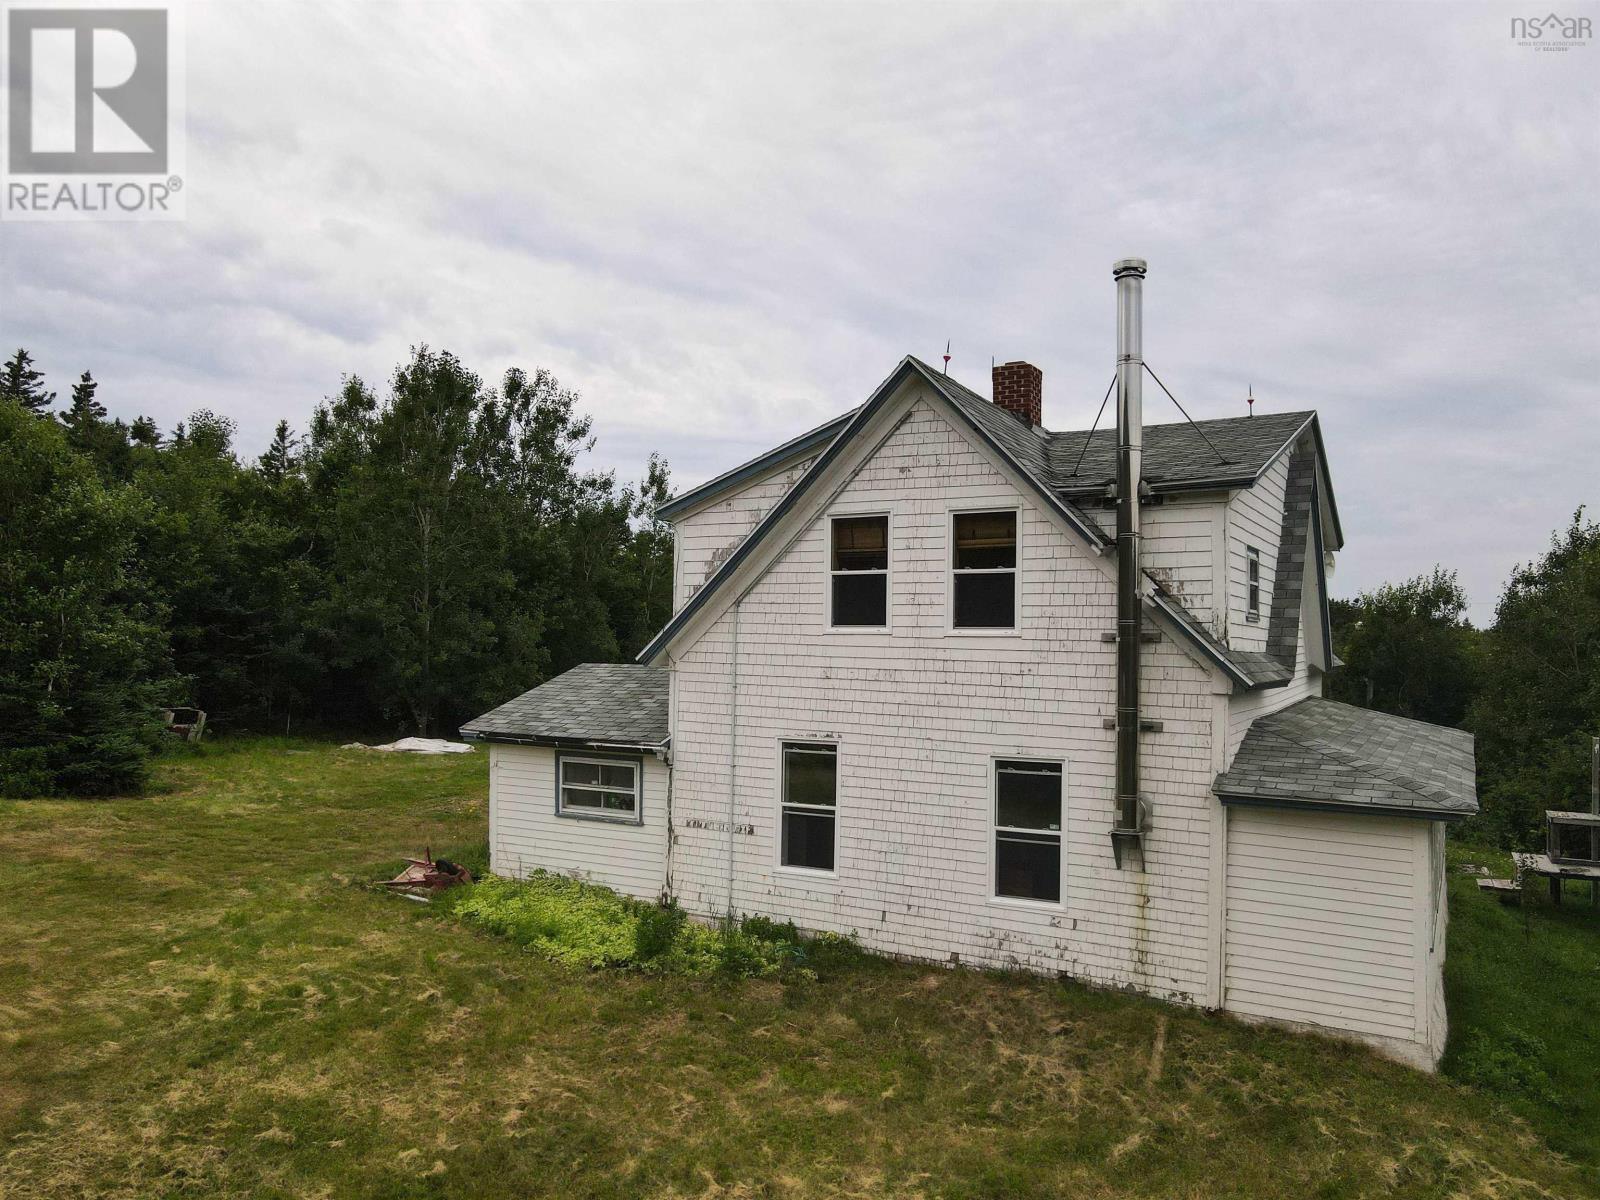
point(1129, 274)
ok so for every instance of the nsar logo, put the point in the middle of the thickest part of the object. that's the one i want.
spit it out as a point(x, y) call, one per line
point(1551, 32)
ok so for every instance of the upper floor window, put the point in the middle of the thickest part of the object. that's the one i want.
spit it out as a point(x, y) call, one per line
point(810, 811)
point(1027, 830)
point(984, 570)
point(859, 572)
point(1252, 607)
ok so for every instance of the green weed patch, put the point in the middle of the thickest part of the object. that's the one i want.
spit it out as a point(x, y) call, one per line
point(586, 925)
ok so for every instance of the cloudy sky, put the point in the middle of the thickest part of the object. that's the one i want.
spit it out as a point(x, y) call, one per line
point(723, 225)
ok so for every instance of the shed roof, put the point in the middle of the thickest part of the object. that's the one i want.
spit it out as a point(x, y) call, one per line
point(1322, 754)
point(596, 704)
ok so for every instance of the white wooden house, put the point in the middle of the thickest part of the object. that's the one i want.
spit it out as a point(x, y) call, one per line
point(888, 705)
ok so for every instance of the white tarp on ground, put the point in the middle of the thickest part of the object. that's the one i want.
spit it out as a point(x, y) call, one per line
point(416, 745)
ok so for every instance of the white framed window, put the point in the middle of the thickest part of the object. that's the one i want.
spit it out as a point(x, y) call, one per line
point(1252, 603)
point(858, 572)
point(983, 570)
point(1028, 808)
point(599, 788)
point(809, 821)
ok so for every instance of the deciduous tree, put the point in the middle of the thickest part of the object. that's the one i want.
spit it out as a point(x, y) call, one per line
point(1539, 704)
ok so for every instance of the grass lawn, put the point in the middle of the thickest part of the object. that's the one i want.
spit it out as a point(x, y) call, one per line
point(200, 997)
point(1524, 989)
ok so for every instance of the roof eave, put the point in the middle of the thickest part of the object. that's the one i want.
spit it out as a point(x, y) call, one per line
point(690, 610)
point(1183, 621)
point(1327, 480)
point(1259, 800)
point(1211, 484)
point(1086, 529)
point(561, 743)
point(698, 497)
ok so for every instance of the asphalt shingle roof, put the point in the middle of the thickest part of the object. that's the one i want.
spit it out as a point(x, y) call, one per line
point(619, 704)
point(1181, 459)
point(1176, 454)
point(1283, 622)
point(1324, 754)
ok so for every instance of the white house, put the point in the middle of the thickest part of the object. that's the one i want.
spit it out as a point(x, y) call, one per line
point(893, 701)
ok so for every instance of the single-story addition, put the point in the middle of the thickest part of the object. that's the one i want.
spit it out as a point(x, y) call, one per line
point(978, 692)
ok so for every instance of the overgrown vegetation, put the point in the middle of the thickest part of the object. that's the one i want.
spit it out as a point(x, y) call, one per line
point(585, 925)
point(1528, 687)
point(420, 556)
point(1521, 984)
point(201, 995)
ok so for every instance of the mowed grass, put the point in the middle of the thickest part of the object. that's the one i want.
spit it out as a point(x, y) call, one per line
point(201, 996)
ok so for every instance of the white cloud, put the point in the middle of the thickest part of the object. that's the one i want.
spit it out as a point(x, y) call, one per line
point(725, 224)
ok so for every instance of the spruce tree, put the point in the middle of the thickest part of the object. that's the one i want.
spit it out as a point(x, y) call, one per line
point(20, 382)
point(84, 415)
point(282, 456)
point(84, 667)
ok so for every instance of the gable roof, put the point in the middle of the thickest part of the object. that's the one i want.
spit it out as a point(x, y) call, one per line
point(1176, 456)
point(1321, 754)
point(908, 368)
point(596, 704)
point(1027, 451)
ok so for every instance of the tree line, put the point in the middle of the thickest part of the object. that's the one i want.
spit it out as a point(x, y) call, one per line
point(1527, 687)
point(416, 556)
point(420, 554)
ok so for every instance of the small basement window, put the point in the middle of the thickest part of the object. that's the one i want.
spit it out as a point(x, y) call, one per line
point(1027, 830)
point(984, 570)
point(810, 817)
point(599, 789)
point(859, 572)
point(1252, 608)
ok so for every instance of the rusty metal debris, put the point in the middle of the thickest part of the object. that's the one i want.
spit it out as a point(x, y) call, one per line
point(429, 874)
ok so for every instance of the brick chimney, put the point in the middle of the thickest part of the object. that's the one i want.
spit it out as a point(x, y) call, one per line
point(1019, 389)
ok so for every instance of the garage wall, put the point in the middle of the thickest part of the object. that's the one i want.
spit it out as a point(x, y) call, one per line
point(526, 835)
point(1330, 922)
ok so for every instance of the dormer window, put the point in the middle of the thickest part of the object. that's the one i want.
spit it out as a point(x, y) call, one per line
point(1252, 607)
point(983, 565)
point(859, 572)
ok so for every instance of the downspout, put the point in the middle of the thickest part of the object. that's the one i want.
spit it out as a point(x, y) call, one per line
point(733, 744)
point(1130, 810)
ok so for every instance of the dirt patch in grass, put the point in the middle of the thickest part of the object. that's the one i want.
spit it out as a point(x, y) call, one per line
point(228, 1018)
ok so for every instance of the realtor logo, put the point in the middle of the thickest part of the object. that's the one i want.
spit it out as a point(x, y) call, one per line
point(88, 91)
point(91, 125)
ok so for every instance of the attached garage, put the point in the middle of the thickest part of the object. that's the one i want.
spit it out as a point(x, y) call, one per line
point(1334, 890)
point(1325, 917)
